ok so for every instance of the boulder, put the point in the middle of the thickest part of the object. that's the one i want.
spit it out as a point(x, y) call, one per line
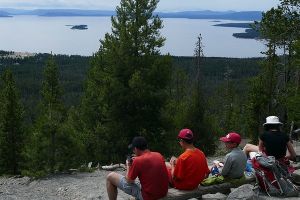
point(244, 192)
point(217, 196)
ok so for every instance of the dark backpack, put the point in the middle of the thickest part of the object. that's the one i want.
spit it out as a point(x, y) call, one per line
point(273, 177)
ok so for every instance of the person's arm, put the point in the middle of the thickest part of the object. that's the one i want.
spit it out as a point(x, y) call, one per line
point(128, 164)
point(227, 166)
point(177, 169)
point(260, 146)
point(291, 150)
point(173, 161)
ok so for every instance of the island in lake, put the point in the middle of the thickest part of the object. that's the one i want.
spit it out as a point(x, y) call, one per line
point(79, 27)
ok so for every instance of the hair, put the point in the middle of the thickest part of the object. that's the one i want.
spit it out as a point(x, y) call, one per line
point(188, 141)
point(142, 147)
point(237, 144)
point(140, 143)
point(272, 126)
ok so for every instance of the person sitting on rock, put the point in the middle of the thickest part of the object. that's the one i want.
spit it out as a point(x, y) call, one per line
point(273, 142)
point(190, 168)
point(148, 166)
point(235, 161)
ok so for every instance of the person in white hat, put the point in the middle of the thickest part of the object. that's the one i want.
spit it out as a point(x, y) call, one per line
point(273, 142)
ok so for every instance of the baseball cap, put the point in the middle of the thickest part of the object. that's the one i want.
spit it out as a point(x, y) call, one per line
point(232, 137)
point(186, 134)
point(138, 142)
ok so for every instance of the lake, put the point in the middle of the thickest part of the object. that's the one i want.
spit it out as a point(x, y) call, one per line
point(53, 34)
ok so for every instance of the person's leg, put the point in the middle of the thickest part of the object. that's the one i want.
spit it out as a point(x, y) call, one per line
point(117, 181)
point(250, 148)
point(112, 182)
point(133, 189)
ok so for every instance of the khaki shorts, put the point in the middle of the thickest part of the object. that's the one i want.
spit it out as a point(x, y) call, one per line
point(133, 189)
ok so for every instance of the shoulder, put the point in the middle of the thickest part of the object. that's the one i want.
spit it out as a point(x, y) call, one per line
point(239, 153)
point(199, 152)
point(184, 155)
point(264, 134)
point(192, 154)
point(282, 133)
point(285, 136)
point(155, 155)
point(228, 155)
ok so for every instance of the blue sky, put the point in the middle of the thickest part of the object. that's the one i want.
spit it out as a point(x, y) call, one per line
point(164, 5)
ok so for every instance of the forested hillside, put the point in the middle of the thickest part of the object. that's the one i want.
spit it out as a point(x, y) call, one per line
point(73, 70)
point(28, 73)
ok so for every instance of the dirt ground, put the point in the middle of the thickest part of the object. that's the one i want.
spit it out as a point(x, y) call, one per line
point(76, 186)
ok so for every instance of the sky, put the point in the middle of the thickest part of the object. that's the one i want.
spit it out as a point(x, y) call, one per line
point(164, 5)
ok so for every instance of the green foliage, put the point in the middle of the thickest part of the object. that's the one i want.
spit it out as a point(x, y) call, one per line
point(125, 90)
point(11, 126)
point(53, 145)
point(83, 127)
point(275, 93)
point(255, 108)
point(293, 103)
point(187, 106)
point(28, 74)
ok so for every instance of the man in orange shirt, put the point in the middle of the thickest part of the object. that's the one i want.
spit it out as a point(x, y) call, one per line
point(190, 168)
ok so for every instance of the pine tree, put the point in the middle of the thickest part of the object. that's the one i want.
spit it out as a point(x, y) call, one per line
point(280, 28)
point(43, 148)
point(125, 90)
point(11, 126)
point(293, 103)
point(196, 111)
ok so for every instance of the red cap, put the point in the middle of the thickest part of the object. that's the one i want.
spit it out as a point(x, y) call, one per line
point(232, 137)
point(186, 134)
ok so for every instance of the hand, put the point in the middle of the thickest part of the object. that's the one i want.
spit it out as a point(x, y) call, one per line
point(128, 164)
point(173, 160)
point(129, 160)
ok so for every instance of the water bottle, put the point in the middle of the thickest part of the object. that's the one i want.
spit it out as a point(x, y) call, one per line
point(249, 166)
point(215, 170)
point(249, 170)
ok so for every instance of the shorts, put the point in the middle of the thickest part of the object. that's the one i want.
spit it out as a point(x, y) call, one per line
point(133, 189)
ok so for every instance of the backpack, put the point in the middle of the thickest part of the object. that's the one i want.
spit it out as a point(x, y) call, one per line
point(273, 177)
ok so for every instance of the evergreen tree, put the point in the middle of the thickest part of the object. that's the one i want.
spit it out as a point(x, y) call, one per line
point(293, 103)
point(43, 149)
point(187, 107)
point(11, 126)
point(229, 109)
point(255, 108)
point(280, 28)
point(196, 111)
point(125, 91)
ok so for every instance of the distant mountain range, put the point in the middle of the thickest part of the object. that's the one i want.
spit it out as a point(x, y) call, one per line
point(205, 14)
point(231, 15)
point(4, 14)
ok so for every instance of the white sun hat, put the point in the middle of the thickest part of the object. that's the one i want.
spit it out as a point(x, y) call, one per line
point(272, 120)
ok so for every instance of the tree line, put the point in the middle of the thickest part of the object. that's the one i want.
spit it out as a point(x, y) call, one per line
point(59, 112)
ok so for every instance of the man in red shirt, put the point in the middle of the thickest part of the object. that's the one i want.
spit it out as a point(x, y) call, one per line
point(149, 167)
point(190, 168)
